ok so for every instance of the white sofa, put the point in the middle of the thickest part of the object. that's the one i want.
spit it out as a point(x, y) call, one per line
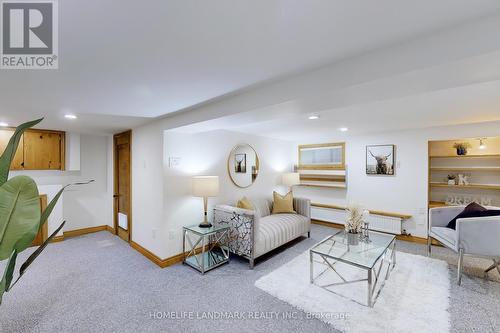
point(475, 236)
point(256, 232)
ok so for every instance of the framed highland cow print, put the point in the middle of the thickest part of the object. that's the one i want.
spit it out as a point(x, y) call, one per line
point(380, 160)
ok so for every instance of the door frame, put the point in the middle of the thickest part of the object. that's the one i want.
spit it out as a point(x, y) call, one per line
point(115, 184)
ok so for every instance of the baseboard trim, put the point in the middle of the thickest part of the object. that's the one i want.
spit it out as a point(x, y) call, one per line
point(155, 259)
point(83, 231)
point(80, 232)
point(413, 239)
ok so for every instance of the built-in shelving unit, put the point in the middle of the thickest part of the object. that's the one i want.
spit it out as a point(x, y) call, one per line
point(479, 165)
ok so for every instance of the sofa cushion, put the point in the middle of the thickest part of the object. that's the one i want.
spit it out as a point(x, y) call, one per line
point(276, 230)
point(473, 210)
point(283, 204)
point(245, 203)
point(445, 234)
point(261, 207)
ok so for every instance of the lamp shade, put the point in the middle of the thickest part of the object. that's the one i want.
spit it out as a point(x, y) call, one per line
point(290, 178)
point(205, 186)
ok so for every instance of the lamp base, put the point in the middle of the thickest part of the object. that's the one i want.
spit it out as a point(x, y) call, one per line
point(205, 225)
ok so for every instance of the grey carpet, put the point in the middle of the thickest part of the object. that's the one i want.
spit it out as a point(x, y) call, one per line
point(97, 283)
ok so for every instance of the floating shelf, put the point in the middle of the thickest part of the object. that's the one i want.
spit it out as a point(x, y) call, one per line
point(333, 179)
point(466, 156)
point(436, 204)
point(470, 186)
point(465, 168)
point(324, 184)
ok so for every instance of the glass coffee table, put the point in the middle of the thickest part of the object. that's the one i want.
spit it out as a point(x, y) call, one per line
point(365, 261)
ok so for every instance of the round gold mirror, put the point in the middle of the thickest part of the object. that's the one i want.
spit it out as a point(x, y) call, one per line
point(243, 165)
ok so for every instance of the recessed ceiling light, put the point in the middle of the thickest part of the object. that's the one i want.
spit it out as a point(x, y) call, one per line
point(313, 117)
point(2, 124)
point(70, 116)
point(343, 129)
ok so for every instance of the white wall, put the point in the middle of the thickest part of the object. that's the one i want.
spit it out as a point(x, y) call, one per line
point(81, 206)
point(406, 191)
point(204, 154)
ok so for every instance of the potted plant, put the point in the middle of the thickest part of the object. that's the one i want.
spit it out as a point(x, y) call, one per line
point(452, 179)
point(461, 147)
point(353, 223)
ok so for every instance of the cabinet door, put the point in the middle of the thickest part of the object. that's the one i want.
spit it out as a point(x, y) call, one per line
point(17, 162)
point(42, 150)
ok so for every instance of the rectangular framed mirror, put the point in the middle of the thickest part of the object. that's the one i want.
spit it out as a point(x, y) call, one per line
point(322, 156)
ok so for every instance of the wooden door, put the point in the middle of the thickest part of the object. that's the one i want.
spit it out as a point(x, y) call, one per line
point(17, 162)
point(42, 150)
point(122, 181)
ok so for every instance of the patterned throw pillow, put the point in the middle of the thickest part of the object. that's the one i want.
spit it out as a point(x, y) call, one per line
point(283, 204)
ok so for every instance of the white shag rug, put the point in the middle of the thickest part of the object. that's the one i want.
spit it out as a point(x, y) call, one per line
point(415, 298)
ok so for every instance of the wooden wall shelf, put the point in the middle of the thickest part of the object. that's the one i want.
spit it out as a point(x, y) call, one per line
point(479, 168)
point(473, 186)
point(466, 156)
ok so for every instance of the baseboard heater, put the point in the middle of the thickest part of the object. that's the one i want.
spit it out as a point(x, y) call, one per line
point(379, 221)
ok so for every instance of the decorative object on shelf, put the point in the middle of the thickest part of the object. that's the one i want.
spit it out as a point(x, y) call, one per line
point(451, 179)
point(463, 179)
point(482, 145)
point(21, 218)
point(460, 200)
point(243, 165)
point(461, 147)
point(205, 186)
point(354, 222)
point(380, 160)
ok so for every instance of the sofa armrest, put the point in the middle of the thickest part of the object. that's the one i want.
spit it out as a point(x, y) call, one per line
point(302, 206)
point(242, 224)
point(479, 235)
point(441, 216)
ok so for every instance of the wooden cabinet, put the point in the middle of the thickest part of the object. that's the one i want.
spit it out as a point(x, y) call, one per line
point(17, 162)
point(37, 150)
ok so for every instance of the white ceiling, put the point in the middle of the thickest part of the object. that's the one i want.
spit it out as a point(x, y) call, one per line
point(124, 60)
point(460, 105)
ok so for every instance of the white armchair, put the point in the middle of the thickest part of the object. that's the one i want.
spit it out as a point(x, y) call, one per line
point(475, 236)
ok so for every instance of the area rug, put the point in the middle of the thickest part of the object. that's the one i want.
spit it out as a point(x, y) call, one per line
point(415, 298)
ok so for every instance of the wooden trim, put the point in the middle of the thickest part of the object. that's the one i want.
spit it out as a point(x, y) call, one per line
point(110, 229)
point(57, 239)
point(62, 148)
point(322, 166)
point(148, 254)
point(374, 212)
point(471, 186)
point(407, 238)
point(157, 260)
point(84, 231)
point(464, 156)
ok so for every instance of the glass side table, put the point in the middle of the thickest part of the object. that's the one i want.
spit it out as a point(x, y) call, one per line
point(207, 248)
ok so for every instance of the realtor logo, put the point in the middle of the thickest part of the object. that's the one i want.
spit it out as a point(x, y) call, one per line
point(29, 35)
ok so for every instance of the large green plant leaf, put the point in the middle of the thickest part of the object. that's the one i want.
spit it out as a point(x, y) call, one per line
point(10, 150)
point(19, 215)
point(8, 274)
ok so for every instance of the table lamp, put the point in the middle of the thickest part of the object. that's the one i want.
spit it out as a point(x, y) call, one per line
point(205, 186)
point(290, 179)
